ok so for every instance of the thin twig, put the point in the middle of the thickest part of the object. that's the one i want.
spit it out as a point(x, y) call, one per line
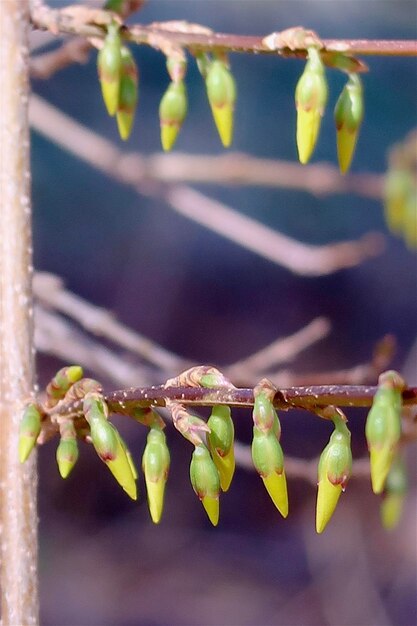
point(296, 256)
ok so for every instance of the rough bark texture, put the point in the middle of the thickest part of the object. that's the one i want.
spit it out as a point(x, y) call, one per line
point(18, 517)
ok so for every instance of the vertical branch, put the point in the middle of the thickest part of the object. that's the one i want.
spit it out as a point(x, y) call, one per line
point(18, 516)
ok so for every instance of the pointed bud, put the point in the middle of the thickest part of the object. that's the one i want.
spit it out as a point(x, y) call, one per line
point(128, 96)
point(155, 465)
point(268, 460)
point(220, 443)
point(206, 482)
point(383, 427)
point(29, 429)
point(61, 382)
point(348, 116)
point(395, 491)
point(66, 456)
point(310, 100)
point(335, 467)
point(221, 93)
point(121, 467)
point(109, 61)
point(104, 439)
point(172, 112)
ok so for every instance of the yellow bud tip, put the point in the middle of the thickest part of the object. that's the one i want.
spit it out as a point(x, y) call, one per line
point(120, 468)
point(110, 92)
point(226, 468)
point(223, 118)
point(327, 499)
point(26, 445)
point(346, 143)
point(124, 124)
point(156, 492)
point(211, 506)
point(65, 468)
point(74, 373)
point(276, 486)
point(391, 510)
point(381, 460)
point(308, 126)
point(169, 134)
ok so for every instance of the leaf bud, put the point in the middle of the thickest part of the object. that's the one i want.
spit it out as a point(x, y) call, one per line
point(348, 116)
point(172, 112)
point(221, 93)
point(155, 465)
point(128, 94)
point(29, 429)
point(268, 460)
point(310, 100)
point(220, 443)
point(109, 62)
point(206, 482)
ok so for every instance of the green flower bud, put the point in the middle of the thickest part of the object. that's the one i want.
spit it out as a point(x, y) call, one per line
point(221, 93)
point(220, 443)
point(335, 467)
point(155, 465)
point(104, 439)
point(61, 382)
point(206, 482)
point(172, 112)
point(66, 456)
point(348, 116)
point(29, 429)
point(264, 415)
point(310, 100)
point(395, 492)
point(122, 467)
point(383, 427)
point(109, 62)
point(268, 460)
point(128, 95)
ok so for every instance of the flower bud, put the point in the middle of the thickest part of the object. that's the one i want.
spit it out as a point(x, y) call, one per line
point(66, 456)
point(206, 482)
point(264, 415)
point(29, 429)
point(383, 427)
point(172, 112)
point(348, 116)
point(221, 93)
point(155, 465)
point(335, 467)
point(395, 491)
point(220, 443)
point(109, 62)
point(268, 460)
point(128, 95)
point(122, 467)
point(310, 100)
point(61, 382)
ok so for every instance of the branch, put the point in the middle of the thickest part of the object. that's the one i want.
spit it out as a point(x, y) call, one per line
point(298, 257)
point(91, 23)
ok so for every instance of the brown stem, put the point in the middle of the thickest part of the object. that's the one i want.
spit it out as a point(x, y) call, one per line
point(90, 23)
point(18, 516)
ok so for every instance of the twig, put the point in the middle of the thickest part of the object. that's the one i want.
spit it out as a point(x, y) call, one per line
point(18, 514)
point(298, 257)
point(90, 22)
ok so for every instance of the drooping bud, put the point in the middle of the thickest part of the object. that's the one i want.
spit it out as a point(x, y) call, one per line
point(128, 95)
point(395, 492)
point(67, 451)
point(335, 467)
point(268, 460)
point(220, 443)
point(61, 382)
point(29, 429)
point(348, 116)
point(206, 482)
point(155, 465)
point(109, 62)
point(310, 100)
point(221, 93)
point(383, 427)
point(172, 112)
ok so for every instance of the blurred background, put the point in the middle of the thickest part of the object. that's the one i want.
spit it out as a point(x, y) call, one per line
point(207, 299)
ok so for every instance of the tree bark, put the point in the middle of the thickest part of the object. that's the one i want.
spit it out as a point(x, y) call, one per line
point(18, 515)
